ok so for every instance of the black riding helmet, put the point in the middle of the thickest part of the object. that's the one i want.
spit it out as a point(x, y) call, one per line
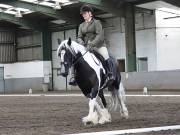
point(86, 8)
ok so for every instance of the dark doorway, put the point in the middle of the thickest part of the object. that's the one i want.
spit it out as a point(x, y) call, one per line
point(121, 65)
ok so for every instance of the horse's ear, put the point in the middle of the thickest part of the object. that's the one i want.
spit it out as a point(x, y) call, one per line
point(69, 41)
point(59, 41)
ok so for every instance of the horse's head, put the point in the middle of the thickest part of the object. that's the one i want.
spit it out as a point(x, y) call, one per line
point(67, 56)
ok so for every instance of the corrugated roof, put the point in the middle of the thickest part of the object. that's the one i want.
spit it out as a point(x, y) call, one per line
point(19, 11)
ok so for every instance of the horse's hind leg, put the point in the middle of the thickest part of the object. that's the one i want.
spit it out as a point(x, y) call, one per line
point(113, 99)
point(121, 99)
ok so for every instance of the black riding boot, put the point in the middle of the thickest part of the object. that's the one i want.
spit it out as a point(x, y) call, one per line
point(109, 69)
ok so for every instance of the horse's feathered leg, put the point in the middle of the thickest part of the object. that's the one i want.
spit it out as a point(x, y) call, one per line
point(103, 111)
point(122, 98)
point(93, 115)
point(118, 96)
point(119, 99)
point(112, 101)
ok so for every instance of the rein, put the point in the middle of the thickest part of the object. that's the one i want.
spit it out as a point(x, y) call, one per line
point(79, 58)
point(96, 62)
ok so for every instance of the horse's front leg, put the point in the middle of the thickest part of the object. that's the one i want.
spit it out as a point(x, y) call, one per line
point(92, 117)
point(105, 116)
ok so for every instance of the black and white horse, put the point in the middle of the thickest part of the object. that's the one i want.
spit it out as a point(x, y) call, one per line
point(90, 77)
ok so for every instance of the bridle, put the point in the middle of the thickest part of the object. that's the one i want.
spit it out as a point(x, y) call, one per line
point(74, 60)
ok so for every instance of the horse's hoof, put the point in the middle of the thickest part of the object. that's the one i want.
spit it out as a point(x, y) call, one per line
point(89, 124)
point(85, 119)
point(86, 122)
point(101, 121)
point(125, 115)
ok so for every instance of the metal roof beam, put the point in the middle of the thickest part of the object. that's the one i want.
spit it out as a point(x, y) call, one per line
point(137, 2)
point(20, 21)
point(173, 2)
point(57, 14)
point(106, 5)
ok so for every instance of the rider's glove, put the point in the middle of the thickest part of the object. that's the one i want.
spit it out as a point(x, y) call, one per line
point(89, 46)
point(80, 41)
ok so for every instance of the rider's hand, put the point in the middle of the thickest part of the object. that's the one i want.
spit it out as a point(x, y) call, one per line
point(80, 41)
point(89, 47)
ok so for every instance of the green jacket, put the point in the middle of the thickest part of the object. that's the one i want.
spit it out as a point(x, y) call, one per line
point(91, 33)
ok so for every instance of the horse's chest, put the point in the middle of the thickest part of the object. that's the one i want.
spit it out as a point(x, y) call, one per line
point(86, 78)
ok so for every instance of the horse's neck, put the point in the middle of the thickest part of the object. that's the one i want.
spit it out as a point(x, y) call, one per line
point(78, 48)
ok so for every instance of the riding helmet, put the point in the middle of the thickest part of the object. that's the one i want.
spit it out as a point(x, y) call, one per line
point(86, 8)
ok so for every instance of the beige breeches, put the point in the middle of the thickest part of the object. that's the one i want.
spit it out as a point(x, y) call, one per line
point(103, 51)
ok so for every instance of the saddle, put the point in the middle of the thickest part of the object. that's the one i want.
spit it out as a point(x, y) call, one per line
point(98, 56)
point(106, 80)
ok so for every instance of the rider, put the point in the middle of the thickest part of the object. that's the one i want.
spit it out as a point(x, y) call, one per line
point(90, 34)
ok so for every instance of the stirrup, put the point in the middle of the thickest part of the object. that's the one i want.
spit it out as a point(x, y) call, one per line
point(72, 82)
point(107, 82)
point(110, 76)
point(109, 79)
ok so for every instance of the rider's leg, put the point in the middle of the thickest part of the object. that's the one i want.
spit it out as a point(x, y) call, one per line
point(72, 80)
point(103, 51)
point(108, 64)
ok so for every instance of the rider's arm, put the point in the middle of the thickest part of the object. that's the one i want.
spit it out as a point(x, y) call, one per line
point(99, 34)
point(80, 35)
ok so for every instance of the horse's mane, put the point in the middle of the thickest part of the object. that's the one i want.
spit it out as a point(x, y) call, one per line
point(77, 47)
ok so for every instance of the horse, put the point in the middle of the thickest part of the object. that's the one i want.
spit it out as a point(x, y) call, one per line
point(90, 76)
